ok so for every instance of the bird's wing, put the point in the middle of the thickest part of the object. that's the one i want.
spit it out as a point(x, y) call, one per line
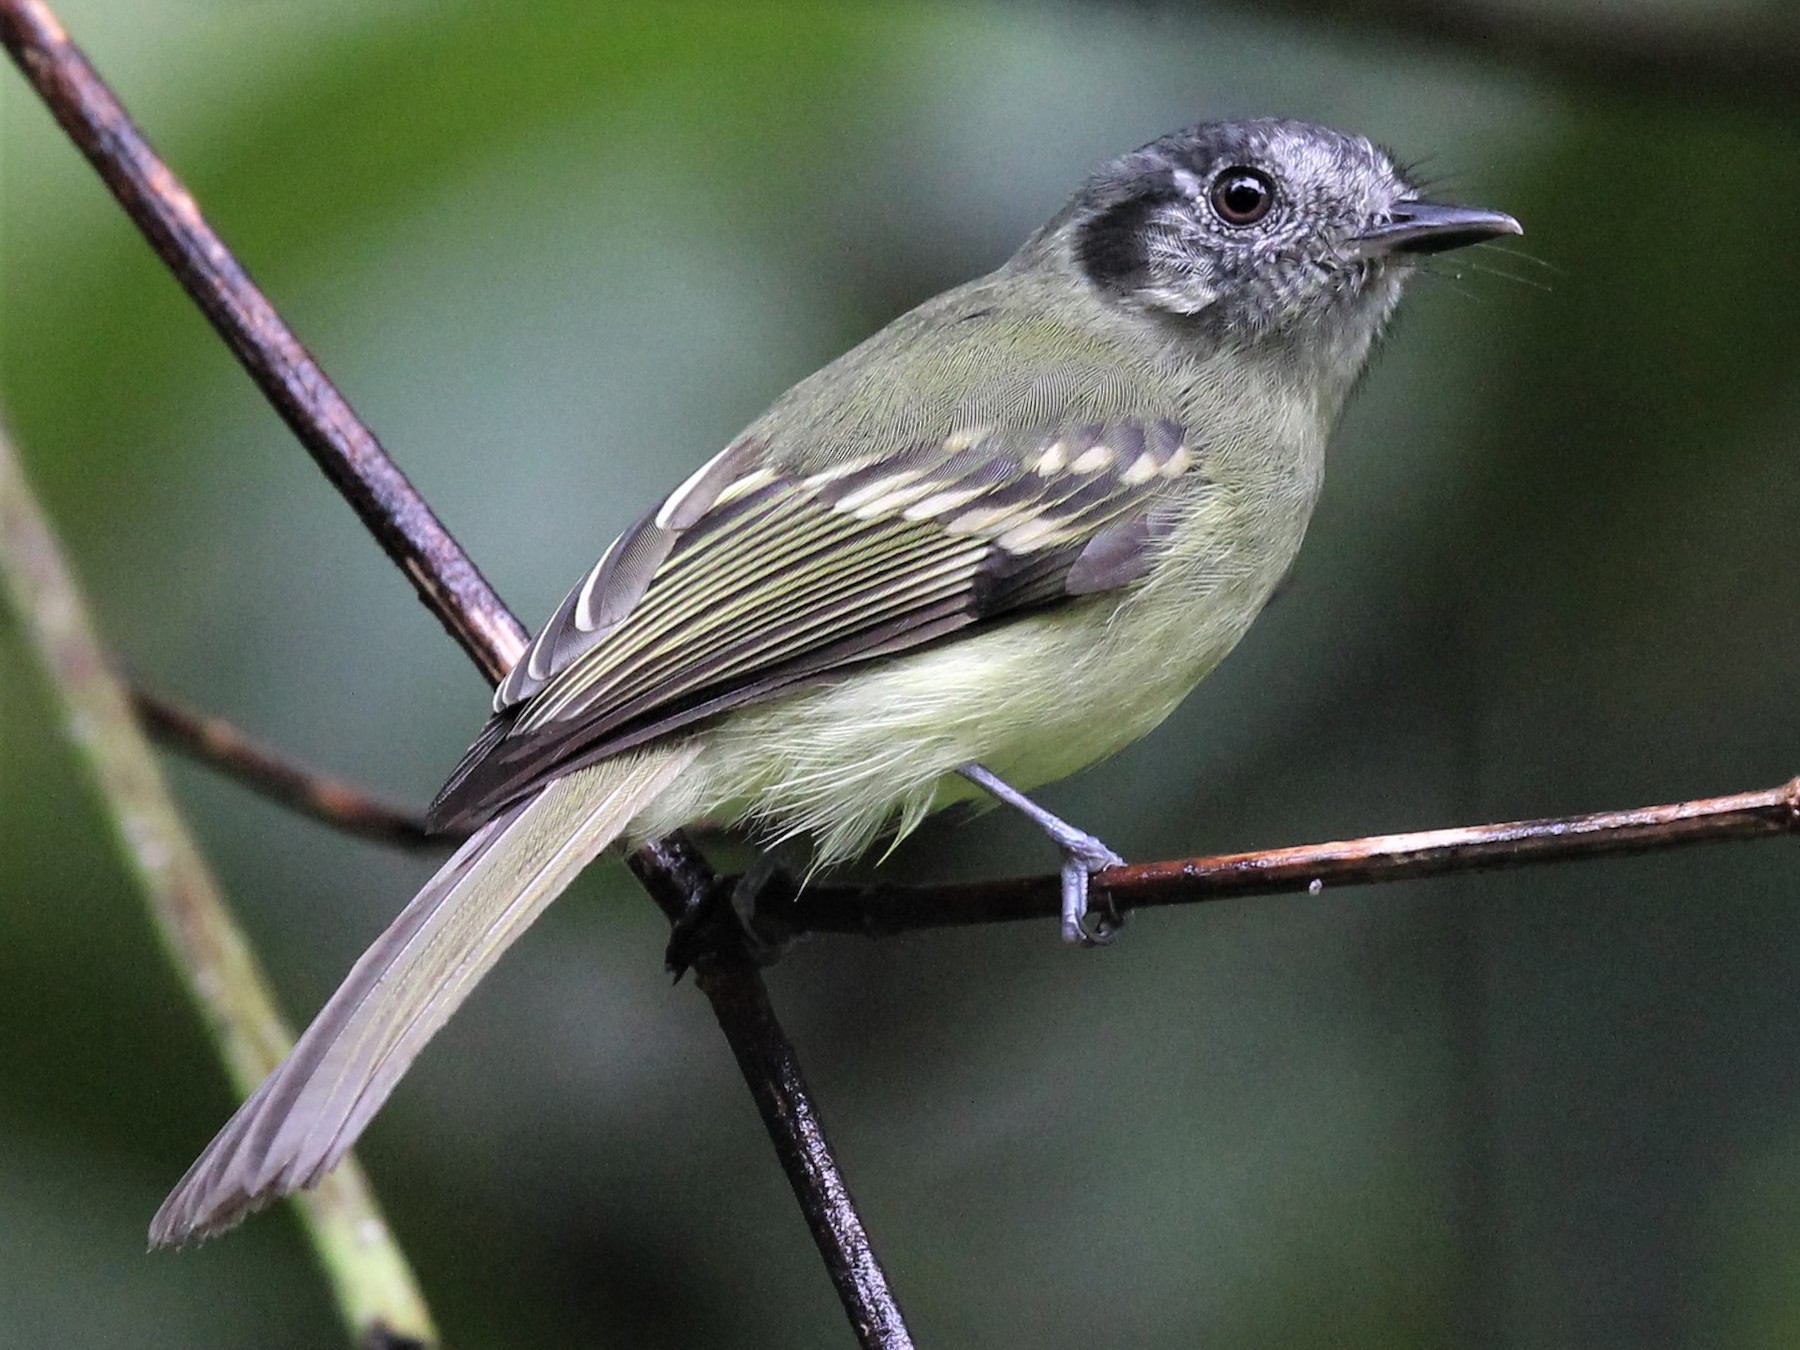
point(751, 578)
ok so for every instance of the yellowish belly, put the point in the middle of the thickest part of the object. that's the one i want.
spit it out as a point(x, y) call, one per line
point(1033, 701)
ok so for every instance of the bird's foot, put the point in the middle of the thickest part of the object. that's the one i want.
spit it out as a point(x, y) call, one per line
point(726, 921)
point(1083, 855)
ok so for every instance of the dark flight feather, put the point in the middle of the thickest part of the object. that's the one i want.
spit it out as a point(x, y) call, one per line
point(748, 582)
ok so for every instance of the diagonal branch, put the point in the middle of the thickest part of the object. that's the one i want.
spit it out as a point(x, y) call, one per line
point(674, 873)
point(446, 579)
point(214, 742)
point(451, 586)
point(369, 1275)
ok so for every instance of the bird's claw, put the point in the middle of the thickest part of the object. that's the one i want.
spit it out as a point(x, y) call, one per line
point(1083, 855)
point(729, 921)
point(1081, 859)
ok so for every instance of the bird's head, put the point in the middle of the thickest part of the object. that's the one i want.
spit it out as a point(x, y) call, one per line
point(1259, 230)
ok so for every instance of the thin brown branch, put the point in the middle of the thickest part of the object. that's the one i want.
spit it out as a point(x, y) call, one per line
point(1729, 58)
point(675, 875)
point(881, 909)
point(450, 585)
point(878, 909)
point(332, 801)
point(446, 579)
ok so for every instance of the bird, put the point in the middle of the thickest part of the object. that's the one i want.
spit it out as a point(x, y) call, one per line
point(994, 543)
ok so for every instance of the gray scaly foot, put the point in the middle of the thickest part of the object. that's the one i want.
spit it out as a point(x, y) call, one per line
point(1083, 855)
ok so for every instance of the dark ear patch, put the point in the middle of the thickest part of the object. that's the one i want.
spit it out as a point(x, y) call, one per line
point(1113, 245)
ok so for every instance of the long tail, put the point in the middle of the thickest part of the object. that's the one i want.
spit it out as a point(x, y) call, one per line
point(311, 1109)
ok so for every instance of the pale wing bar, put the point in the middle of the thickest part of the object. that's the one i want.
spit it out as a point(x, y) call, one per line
point(750, 579)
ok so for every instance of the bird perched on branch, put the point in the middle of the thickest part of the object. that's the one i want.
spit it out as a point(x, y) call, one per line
point(996, 542)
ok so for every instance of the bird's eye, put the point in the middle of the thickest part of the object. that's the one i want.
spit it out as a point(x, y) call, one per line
point(1242, 196)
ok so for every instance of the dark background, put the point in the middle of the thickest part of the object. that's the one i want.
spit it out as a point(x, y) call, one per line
point(557, 254)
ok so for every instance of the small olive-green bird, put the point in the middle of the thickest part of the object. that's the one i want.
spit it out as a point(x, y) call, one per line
point(996, 542)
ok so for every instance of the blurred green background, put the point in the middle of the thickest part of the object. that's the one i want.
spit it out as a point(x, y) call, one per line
point(558, 253)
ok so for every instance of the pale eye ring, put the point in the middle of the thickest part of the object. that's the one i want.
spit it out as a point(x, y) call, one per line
point(1242, 196)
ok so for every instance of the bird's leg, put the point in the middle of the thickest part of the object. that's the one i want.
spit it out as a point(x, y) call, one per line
point(1083, 855)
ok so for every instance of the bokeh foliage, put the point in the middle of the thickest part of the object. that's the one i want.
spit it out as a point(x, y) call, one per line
point(558, 253)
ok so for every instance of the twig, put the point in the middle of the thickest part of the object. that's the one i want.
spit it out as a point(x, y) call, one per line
point(369, 1275)
point(673, 872)
point(451, 586)
point(881, 909)
point(332, 801)
point(446, 579)
point(444, 576)
point(1734, 58)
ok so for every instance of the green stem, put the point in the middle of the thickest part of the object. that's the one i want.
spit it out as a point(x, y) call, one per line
point(369, 1275)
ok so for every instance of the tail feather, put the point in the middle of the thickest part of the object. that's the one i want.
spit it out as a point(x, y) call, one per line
point(311, 1109)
